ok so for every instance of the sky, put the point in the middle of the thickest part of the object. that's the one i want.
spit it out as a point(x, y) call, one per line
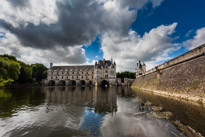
point(79, 32)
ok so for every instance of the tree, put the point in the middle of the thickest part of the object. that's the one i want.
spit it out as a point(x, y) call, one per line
point(25, 73)
point(39, 72)
point(126, 74)
point(13, 70)
point(9, 69)
point(9, 57)
point(3, 70)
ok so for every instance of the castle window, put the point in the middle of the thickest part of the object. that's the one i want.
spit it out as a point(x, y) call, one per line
point(77, 77)
point(72, 77)
point(51, 77)
point(82, 76)
point(62, 77)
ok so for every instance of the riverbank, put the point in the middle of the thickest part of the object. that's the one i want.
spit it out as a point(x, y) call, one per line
point(178, 96)
point(188, 117)
point(18, 85)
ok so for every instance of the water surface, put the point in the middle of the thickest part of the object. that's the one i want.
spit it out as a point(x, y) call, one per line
point(70, 111)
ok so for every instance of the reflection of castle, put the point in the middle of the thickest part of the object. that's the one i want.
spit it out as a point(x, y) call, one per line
point(102, 73)
point(103, 100)
point(141, 69)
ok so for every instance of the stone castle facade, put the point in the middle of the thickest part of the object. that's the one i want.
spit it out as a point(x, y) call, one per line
point(102, 73)
point(141, 69)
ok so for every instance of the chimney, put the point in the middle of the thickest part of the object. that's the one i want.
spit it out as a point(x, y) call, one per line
point(51, 65)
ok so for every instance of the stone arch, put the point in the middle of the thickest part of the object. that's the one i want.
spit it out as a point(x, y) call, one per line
point(129, 83)
point(73, 83)
point(62, 83)
point(82, 83)
point(104, 83)
point(51, 83)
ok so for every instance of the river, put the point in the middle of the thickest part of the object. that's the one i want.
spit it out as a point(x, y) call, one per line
point(85, 111)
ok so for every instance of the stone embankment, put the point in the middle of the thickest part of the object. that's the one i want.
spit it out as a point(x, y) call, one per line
point(182, 77)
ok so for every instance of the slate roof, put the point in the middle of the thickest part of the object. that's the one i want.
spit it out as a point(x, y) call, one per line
point(73, 68)
point(104, 63)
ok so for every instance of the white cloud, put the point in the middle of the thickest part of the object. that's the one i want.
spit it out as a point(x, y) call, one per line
point(35, 11)
point(59, 55)
point(52, 31)
point(151, 47)
point(189, 33)
point(156, 2)
point(197, 40)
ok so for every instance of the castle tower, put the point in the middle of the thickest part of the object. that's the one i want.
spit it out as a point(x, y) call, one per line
point(141, 69)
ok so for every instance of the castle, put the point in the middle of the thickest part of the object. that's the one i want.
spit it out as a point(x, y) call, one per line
point(102, 73)
point(141, 69)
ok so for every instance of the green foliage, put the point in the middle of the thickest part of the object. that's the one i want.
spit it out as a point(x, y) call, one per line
point(9, 57)
point(39, 72)
point(12, 70)
point(25, 73)
point(7, 82)
point(9, 69)
point(126, 74)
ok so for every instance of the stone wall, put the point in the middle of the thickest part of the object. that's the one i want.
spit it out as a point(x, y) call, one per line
point(195, 53)
point(184, 74)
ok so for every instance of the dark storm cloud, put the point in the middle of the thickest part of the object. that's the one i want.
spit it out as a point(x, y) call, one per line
point(75, 26)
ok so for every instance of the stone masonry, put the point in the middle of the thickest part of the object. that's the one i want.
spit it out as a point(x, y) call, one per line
point(102, 73)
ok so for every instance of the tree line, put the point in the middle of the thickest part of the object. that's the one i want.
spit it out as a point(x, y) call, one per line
point(15, 71)
point(126, 74)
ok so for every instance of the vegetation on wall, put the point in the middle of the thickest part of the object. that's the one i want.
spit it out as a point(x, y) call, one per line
point(14, 71)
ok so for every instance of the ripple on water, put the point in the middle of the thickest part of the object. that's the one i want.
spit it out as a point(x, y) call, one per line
point(75, 112)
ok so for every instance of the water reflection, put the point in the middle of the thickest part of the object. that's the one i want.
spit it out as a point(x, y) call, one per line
point(76, 111)
point(13, 99)
point(102, 100)
point(188, 114)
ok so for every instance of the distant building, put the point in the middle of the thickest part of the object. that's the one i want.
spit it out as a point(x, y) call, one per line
point(141, 69)
point(102, 73)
